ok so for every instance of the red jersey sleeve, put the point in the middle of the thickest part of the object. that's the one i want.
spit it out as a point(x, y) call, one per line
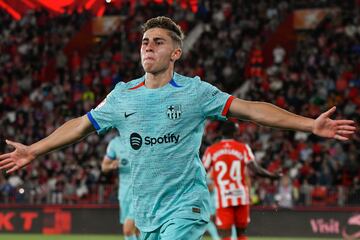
point(207, 158)
point(249, 155)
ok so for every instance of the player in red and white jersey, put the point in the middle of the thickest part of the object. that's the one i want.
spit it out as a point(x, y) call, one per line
point(226, 161)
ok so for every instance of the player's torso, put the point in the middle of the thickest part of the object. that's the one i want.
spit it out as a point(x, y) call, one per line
point(162, 128)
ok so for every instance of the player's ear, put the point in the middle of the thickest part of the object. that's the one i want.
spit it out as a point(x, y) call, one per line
point(176, 54)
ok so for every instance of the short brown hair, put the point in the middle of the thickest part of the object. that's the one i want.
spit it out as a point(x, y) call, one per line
point(228, 129)
point(166, 23)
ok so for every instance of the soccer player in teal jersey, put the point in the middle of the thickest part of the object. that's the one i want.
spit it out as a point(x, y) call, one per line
point(161, 117)
point(116, 158)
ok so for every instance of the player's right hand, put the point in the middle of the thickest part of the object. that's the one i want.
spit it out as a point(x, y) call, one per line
point(19, 158)
point(114, 165)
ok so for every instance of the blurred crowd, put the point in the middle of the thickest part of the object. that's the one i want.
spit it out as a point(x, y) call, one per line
point(41, 87)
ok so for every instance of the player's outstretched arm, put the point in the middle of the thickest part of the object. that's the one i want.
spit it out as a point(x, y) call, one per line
point(272, 116)
point(70, 132)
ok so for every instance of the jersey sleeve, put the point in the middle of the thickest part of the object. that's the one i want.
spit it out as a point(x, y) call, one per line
point(249, 155)
point(207, 159)
point(214, 103)
point(104, 115)
point(110, 151)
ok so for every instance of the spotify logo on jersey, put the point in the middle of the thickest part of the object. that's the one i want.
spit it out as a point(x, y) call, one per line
point(135, 141)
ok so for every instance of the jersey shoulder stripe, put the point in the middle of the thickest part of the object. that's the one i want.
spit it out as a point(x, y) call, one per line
point(174, 84)
point(138, 86)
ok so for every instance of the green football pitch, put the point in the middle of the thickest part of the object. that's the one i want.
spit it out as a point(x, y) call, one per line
point(104, 237)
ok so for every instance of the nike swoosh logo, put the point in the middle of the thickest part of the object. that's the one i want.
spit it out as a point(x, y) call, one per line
point(128, 115)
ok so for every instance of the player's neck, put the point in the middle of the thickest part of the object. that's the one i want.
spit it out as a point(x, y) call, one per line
point(157, 80)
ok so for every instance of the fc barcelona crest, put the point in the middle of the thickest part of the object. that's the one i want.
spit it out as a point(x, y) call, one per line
point(174, 111)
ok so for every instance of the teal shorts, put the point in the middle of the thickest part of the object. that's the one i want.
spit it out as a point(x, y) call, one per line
point(126, 211)
point(177, 229)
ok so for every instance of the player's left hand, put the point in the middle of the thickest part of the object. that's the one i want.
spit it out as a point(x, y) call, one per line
point(329, 128)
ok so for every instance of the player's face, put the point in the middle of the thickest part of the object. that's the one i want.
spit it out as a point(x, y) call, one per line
point(158, 51)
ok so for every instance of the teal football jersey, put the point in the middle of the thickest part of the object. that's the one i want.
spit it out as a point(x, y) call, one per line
point(116, 151)
point(162, 129)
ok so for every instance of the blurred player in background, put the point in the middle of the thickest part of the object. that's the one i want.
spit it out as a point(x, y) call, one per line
point(226, 161)
point(211, 228)
point(161, 117)
point(116, 158)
